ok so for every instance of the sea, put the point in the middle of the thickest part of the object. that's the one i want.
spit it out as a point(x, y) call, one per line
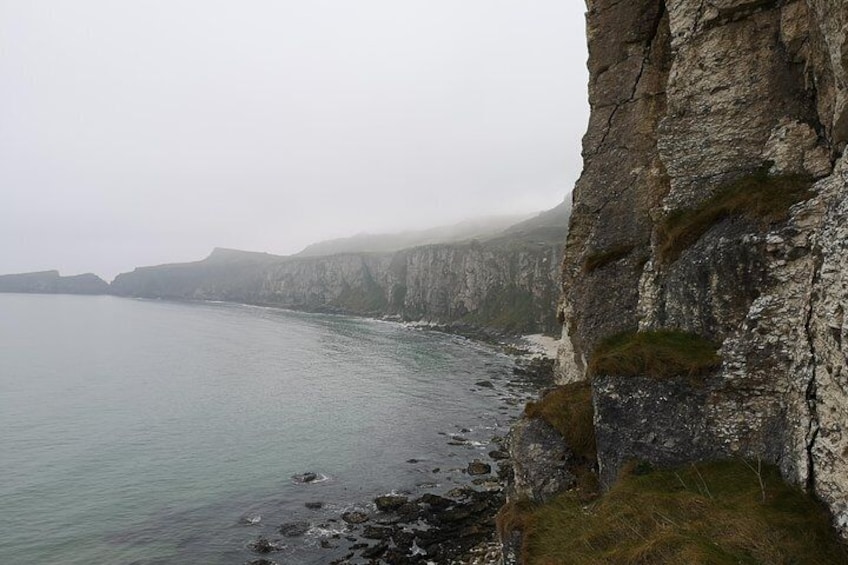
point(156, 432)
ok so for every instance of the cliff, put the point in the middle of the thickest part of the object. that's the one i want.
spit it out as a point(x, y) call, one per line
point(508, 281)
point(713, 203)
point(50, 282)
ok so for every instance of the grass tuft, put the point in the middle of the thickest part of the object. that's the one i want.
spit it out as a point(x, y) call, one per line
point(601, 259)
point(758, 197)
point(710, 513)
point(569, 410)
point(657, 354)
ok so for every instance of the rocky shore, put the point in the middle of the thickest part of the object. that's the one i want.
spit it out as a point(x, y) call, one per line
point(453, 526)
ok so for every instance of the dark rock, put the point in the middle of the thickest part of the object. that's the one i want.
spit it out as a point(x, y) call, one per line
point(454, 515)
point(479, 468)
point(294, 529)
point(408, 512)
point(317, 505)
point(327, 544)
point(539, 370)
point(485, 384)
point(262, 545)
point(436, 501)
point(375, 532)
point(355, 517)
point(390, 502)
point(403, 539)
point(412, 460)
point(261, 561)
point(305, 478)
point(376, 551)
point(649, 431)
point(498, 455)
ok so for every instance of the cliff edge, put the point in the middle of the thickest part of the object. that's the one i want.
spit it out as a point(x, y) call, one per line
point(713, 203)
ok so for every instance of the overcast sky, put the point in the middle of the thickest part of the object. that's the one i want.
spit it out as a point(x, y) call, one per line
point(150, 131)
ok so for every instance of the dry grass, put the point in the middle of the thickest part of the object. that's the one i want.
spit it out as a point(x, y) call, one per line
point(658, 354)
point(713, 513)
point(597, 260)
point(569, 410)
point(758, 197)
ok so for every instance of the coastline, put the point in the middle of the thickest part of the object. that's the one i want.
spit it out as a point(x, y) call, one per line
point(451, 525)
point(504, 379)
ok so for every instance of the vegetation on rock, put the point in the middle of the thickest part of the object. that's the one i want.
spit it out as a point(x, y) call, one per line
point(568, 409)
point(719, 512)
point(758, 197)
point(657, 354)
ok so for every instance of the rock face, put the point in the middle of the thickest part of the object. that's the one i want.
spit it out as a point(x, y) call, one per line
point(510, 282)
point(50, 282)
point(542, 461)
point(688, 96)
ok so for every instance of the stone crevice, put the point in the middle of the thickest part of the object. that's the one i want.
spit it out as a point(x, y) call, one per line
point(810, 394)
point(646, 57)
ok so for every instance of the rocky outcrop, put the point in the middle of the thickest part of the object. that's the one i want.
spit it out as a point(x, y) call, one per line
point(50, 282)
point(509, 282)
point(542, 462)
point(689, 97)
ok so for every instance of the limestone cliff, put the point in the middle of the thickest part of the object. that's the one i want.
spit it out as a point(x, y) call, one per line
point(689, 98)
point(507, 282)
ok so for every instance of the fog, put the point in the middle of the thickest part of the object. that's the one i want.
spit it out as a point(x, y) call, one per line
point(147, 132)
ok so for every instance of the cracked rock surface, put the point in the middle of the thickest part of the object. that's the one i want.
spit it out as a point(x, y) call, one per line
point(687, 96)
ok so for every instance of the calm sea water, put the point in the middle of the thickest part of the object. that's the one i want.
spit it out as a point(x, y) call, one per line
point(146, 432)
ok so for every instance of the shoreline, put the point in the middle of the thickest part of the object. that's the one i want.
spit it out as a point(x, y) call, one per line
point(453, 524)
point(470, 508)
point(537, 342)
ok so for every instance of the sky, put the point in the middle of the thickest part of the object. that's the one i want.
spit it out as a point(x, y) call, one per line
point(151, 131)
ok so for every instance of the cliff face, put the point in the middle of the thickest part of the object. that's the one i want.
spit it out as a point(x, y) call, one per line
point(509, 283)
point(692, 100)
point(50, 282)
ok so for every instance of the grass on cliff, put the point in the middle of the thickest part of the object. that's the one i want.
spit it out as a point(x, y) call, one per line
point(758, 197)
point(713, 513)
point(657, 354)
point(568, 409)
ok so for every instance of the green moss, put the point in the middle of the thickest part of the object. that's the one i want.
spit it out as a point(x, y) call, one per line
point(720, 512)
point(758, 197)
point(569, 410)
point(601, 259)
point(657, 354)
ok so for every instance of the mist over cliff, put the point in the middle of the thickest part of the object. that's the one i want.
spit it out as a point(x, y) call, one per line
point(487, 275)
